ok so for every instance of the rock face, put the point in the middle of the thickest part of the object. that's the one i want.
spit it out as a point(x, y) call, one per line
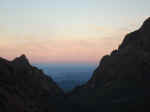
point(24, 88)
point(131, 61)
point(121, 82)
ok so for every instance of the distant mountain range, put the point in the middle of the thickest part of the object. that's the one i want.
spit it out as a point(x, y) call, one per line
point(120, 83)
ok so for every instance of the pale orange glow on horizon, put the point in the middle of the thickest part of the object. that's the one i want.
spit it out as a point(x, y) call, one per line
point(62, 50)
point(72, 45)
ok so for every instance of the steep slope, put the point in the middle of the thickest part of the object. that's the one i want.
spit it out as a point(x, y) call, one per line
point(121, 82)
point(130, 62)
point(24, 88)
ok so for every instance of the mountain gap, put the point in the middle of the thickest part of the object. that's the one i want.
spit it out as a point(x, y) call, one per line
point(120, 83)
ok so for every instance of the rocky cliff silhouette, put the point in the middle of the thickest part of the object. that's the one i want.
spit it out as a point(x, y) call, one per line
point(121, 82)
point(24, 88)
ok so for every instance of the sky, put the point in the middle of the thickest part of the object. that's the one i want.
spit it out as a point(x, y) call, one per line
point(67, 31)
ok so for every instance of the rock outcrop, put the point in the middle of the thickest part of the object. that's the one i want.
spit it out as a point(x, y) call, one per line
point(121, 82)
point(131, 61)
point(24, 88)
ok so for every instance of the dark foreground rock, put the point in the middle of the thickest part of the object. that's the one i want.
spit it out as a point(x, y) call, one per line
point(121, 82)
point(24, 88)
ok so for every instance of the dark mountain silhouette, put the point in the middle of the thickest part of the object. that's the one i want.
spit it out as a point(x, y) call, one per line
point(121, 82)
point(24, 88)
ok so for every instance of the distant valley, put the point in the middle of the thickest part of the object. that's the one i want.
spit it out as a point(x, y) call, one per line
point(68, 76)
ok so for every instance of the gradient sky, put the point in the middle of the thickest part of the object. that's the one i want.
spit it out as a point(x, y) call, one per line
point(67, 31)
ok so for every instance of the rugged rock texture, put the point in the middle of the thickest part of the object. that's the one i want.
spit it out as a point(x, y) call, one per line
point(130, 62)
point(24, 88)
point(122, 80)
